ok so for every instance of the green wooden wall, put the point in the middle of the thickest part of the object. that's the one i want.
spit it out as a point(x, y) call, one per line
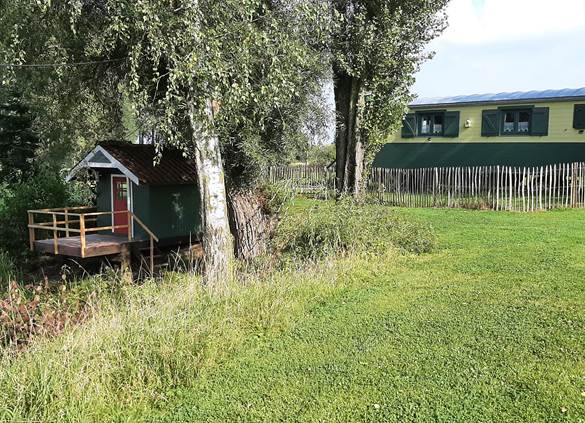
point(417, 155)
point(169, 211)
point(173, 211)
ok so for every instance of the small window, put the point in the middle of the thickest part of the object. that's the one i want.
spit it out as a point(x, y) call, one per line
point(438, 125)
point(516, 122)
point(509, 122)
point(122, 190)
point(579, 117)
point(523, 122)
point(431, 124)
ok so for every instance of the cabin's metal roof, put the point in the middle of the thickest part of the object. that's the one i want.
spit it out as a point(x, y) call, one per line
point(510, 97)
point(139, 163)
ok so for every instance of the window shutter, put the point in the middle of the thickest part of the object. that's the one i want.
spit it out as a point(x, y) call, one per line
point(540, 121)
point(579, 116)
point(490, 126)
point(451, 123)
point(409, 126)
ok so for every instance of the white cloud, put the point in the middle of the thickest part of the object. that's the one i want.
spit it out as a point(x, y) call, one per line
point(511, 20)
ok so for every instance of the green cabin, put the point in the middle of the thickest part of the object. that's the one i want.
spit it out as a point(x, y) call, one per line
point(163, 195)
point(535, 128)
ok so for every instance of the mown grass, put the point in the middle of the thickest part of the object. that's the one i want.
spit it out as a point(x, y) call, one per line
point(489, 327)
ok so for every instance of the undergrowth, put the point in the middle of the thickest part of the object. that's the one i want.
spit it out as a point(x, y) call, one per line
point(74, 349)
point(330, 228)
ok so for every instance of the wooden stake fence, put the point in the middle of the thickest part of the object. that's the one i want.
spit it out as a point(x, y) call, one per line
point(483, 187)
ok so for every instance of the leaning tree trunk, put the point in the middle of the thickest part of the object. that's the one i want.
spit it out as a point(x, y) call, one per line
point(349, 147)
point(251, 224)
point(217, 240)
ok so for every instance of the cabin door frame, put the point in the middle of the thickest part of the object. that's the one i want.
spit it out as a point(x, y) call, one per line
point(130, 203)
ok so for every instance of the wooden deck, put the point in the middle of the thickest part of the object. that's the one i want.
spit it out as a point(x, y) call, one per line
point(96, 245)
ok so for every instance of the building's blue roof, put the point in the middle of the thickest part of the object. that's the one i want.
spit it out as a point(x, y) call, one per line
point(519, 96)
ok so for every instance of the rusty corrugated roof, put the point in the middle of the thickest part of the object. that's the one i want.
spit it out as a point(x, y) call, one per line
point(140, 159)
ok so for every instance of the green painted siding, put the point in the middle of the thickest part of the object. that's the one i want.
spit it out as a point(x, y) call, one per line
point(174, 211)
point(141, 208)
point(417, 155)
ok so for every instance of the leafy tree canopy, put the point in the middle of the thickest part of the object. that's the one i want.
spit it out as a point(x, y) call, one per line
point(382, 43)
point(257, 59)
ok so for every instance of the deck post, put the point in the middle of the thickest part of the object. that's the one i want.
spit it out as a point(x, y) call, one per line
point(129, 218)
point(66, 211)
point(82, 233)
point(31, 231)
point(152, 256)
point(55, 240)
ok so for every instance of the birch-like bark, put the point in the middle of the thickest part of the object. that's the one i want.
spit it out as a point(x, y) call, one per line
point(217, 239)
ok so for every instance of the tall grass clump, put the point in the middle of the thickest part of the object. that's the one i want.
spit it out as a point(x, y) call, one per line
point(7, 270)
point(142, 344)
point(330, 228)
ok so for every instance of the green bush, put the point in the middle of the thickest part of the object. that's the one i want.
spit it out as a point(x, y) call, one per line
point(333, 228)
point(41, 191)
point(276, 195)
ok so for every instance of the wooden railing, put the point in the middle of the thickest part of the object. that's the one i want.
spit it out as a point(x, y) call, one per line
point(79, 221)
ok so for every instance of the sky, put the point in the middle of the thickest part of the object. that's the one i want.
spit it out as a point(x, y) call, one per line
point(496, 46)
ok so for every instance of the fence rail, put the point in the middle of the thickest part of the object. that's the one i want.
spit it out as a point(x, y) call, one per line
point(486, 187)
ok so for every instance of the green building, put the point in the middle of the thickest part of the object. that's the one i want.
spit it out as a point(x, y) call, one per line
point(513, 129)
point(163, 196)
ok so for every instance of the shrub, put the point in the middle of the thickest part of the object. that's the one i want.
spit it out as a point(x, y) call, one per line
point(276, 195)
point(41, 191)
point(330, 228)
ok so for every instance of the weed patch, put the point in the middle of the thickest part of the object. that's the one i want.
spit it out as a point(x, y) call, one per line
point(329, 228)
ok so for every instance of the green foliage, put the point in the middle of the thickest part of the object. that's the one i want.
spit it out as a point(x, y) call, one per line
point(276, 196)
point(382, 45)
point(322, 155)
point(486, 328)
point(18, 141)
point(258, 60)
point(43, 190)
point(346, 227)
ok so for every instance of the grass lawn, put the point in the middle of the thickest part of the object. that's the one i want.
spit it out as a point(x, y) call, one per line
point(491, 327)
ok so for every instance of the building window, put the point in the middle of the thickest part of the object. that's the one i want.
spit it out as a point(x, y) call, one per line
point(431, 124)
point(516, 122)
point(579, 117)
point(122, 190)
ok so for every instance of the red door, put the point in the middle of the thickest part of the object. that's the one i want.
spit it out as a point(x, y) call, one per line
point(120, 203)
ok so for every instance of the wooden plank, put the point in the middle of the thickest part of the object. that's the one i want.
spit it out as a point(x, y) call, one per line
point(82, 238)
point(31, 230)
point(66, 223)
point(55, 243)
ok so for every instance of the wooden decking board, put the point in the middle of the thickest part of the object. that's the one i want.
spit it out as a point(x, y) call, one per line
point(95, 245)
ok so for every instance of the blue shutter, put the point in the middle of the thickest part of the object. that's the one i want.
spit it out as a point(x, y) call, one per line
point(490, 125)
point(540, 121)
point(409, 126)
point(579, 116)
point(451, 122)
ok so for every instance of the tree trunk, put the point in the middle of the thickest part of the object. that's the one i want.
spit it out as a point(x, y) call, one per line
point(251, 225)
point(217, 239)
point(349, 146)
